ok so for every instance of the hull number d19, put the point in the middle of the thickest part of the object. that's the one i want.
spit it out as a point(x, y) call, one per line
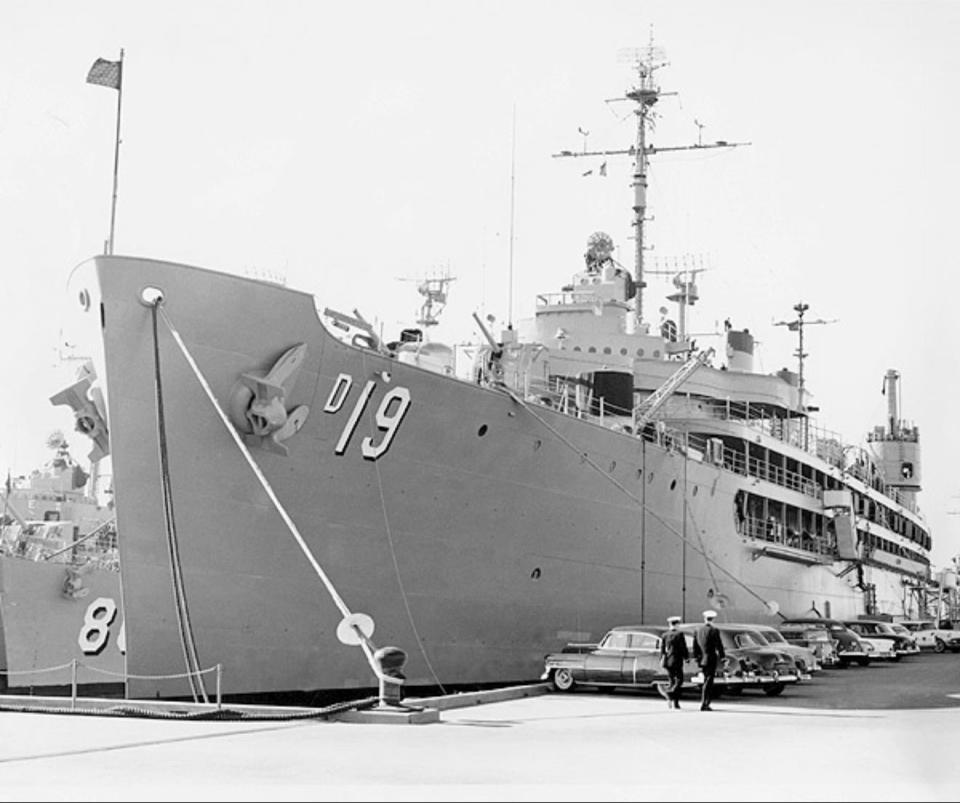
point(393, 407)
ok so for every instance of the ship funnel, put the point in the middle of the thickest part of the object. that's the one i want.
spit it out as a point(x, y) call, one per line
point(740, 350)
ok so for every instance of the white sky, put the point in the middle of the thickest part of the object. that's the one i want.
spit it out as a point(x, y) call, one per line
point(344, 145)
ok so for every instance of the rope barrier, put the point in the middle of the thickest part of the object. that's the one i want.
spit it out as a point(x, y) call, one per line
point(34, 671)
point(128, 675)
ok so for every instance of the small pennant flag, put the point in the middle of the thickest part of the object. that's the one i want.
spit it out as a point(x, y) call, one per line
point(588, 173)
point(105, 73)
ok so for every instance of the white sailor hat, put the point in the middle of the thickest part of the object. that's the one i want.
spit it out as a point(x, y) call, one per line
point(673, 620)
point(710, 614)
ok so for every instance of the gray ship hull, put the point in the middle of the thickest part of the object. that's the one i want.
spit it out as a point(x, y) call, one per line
point(48, 623)
point(480, 535)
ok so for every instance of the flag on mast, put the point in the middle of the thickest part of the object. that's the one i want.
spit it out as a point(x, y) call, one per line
point(105, 73)
point(110, 74)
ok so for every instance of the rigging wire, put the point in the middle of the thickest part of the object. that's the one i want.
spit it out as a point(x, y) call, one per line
point(365, 643)
point(670, 528)
point(187, 641)
point(393, 556)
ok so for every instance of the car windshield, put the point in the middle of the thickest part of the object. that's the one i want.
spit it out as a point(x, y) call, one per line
point(773, 636)
point(615, 641)
point(747, 639)
point(903, 631)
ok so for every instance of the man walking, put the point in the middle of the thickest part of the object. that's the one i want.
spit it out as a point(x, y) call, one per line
point(708, 652)
point(673, 652)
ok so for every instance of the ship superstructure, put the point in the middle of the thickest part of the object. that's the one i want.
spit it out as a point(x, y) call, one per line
point(311, 490)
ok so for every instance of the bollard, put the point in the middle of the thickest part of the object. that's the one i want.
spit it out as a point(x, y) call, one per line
point(390, 661)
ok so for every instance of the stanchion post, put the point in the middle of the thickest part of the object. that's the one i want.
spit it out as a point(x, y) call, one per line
point(73, 684)
point(219, 675)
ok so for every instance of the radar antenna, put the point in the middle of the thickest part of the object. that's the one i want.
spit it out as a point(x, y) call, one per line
point(645, 93)
point(434, 291)
point(796, 325)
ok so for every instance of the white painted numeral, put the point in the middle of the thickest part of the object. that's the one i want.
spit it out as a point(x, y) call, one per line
point(387, 421)
point(354, 417)
point(393, 408)
point(96, 625)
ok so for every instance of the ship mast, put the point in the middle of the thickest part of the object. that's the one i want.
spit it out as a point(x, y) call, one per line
point(645, 94)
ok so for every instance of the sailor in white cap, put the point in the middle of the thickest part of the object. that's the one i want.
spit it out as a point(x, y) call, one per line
point(708, 652)
point(673, 652)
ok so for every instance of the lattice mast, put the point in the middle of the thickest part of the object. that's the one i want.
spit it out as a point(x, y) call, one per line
point(645, 94)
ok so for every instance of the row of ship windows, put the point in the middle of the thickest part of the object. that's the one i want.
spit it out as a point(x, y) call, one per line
point(787, 476)
point(623, 351)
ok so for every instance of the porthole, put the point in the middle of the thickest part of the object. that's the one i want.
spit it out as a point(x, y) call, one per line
point(656, 354)
point(85, 300)
point(673, 484)
point(607, 350)
point(482, 431)
point(576, 348)
point(613, 465)
point(650, 478)
point(639, 352)
point(535, 574)
point(623, 351)
point(592, 349)
point(695, 489)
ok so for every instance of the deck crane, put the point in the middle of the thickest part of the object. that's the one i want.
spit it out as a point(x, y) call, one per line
point(644, 412)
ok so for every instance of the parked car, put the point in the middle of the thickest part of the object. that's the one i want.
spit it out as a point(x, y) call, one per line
point(850, 647)
point(902, 644)
point(805, 659)
point(884, 645)
point(749, 662)
point(929, 636)
point(813, 636)
point(627, 656)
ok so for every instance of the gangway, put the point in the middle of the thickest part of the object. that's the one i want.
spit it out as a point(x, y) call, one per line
point(644, 412)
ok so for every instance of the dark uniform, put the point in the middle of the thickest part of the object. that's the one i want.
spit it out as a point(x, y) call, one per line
point(673, 652)
point(708, 652)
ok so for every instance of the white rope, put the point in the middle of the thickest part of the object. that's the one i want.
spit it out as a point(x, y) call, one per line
point(127, 675)
point(33, 671)
point(337, 599)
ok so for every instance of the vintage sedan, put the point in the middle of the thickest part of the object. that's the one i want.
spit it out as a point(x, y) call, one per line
point(902, 644)
point(814, 638)
point(749, 662)
point(930, 636)
point(805, 659)
point(627, 656)
point(850, 646)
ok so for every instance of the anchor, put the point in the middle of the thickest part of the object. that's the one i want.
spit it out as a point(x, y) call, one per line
point(258, 406)
point(88, 407)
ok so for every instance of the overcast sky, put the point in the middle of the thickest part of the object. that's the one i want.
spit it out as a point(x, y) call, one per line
point(345, 146)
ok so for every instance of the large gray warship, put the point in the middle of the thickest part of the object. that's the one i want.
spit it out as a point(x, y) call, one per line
point(293, 491)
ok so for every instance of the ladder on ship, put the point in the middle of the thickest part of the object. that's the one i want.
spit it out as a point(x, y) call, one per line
point(645, 410)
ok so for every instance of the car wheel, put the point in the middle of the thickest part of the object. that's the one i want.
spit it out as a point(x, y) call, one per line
point(774, 689)
point(863, 661)
point(563, 679)
point(939, 646)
